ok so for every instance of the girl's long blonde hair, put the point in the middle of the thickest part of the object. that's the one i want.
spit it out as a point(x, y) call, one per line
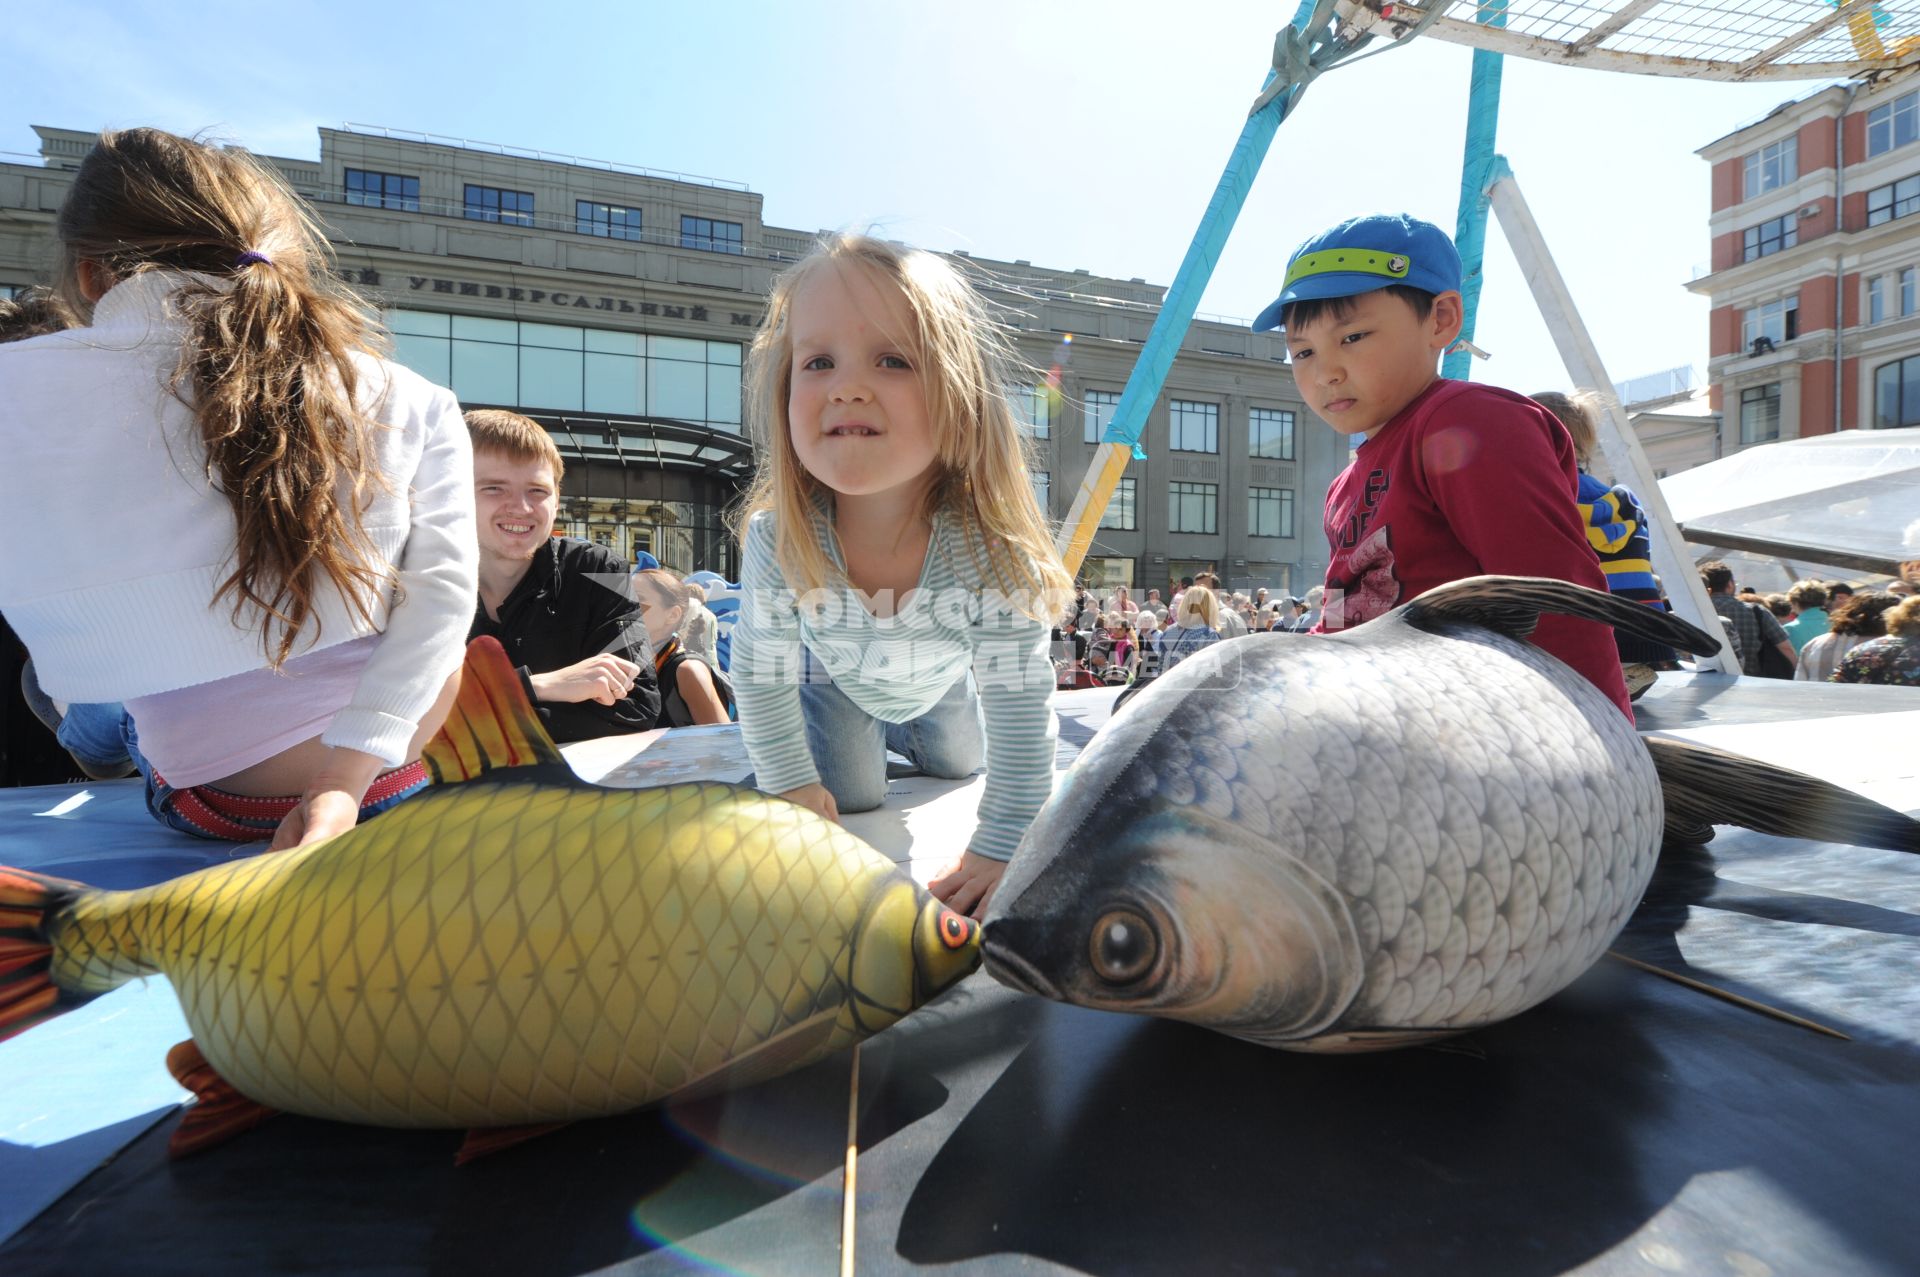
point(1199, 604)
point(266, 369)
point(965, 362)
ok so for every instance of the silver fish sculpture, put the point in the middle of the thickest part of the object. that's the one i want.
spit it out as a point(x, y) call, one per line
point(1407, 830)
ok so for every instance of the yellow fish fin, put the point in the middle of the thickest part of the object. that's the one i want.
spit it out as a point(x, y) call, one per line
point(482, 1141)
point(220, 1112)
point(493, 725)
point(28, 901)
point(790, 1049)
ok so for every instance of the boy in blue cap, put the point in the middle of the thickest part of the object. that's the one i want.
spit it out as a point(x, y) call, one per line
point(1453, 479)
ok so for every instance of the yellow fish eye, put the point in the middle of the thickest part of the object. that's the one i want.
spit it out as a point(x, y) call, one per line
point(1123, 946)
point(946, 946)
point(955, 931)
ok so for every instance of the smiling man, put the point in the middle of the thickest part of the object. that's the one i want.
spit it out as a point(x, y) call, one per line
point(564, 609)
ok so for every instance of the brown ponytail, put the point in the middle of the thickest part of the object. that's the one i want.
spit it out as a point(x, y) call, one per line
point(267, 367)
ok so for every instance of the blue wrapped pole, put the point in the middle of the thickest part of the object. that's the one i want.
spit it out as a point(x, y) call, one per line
point(1120, 443)
point(1470, 225)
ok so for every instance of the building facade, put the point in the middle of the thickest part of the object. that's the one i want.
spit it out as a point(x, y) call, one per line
point(616, 305)
point(1673, 417)
point(1815, 275)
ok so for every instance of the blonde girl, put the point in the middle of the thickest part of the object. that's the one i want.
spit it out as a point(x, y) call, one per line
point(1196, 627)
point(898, 577)
point(263, 538)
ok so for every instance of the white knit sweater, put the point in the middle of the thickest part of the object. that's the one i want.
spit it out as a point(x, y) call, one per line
point(115, 541)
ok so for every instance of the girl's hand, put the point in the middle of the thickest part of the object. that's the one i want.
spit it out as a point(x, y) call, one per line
point(331, 804)
point(968, 884)
point(815, 798)
point(321, 814)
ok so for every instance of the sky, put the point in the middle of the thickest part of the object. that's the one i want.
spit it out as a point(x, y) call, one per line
point(1069, 133)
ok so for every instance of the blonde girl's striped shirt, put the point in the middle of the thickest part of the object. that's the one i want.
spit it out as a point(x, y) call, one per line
point(897, 668)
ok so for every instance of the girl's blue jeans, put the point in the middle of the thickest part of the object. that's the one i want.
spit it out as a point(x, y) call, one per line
point(103, 734)
point(849, 745)
point(100, 735)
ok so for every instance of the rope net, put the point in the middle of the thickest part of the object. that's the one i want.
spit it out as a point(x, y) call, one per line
point(1702, 39)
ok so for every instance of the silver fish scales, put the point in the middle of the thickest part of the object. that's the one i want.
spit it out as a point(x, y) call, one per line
point(1414, 828)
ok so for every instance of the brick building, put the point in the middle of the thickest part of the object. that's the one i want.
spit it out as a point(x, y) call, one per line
point(1815, 275)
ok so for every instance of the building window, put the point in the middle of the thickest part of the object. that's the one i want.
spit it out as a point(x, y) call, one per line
point(1772, 166)
point(1099, 411)
point(1043, 492)
point(1906, 291)
point(1896, 199)
point(710, 236)
point(1104, 572)
point(1033, 408)
point(1893, 125)
point(1771, 236)
point(1270, 433)
point(1194, 426)
point(1896, 394)
point(1876, 299)
point(1121, 513)
point(1270, 512)
point(1777, 321)
point(1193, 507)
point(491, 204)
point(608, 221)
point(383, 190)
point(1760, 413)
point(560, 367)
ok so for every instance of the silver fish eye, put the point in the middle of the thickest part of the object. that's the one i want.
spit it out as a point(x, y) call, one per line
point(1123, 946)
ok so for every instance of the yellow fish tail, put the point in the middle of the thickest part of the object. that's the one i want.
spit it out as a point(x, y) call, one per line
point(54, 936)
point(27, 994)
point(493, 725)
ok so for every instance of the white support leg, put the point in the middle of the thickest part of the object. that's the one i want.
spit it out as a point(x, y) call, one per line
point(1617, 440)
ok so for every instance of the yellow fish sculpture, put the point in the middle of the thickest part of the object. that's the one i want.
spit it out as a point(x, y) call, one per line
point(511, 948)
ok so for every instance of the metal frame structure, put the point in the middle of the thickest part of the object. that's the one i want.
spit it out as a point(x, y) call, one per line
point(1735, 40)
point(1731, 40)
point(1618, 443)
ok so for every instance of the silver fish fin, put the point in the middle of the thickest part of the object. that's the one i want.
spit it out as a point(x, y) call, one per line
point(790, 1049)
point(1707, 786)
point(1354, 1041)
point(1512, 605)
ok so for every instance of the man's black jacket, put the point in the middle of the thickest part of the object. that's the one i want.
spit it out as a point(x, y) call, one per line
point(576, 601)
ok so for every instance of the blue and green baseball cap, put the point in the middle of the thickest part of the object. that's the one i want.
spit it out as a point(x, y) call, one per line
point(1365, 253)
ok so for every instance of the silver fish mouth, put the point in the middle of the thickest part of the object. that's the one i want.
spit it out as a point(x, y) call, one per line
point(1010, 969)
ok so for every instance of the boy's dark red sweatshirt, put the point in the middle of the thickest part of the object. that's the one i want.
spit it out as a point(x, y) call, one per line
point(1465, 480)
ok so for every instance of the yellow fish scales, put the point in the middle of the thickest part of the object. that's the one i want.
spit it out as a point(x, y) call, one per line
point(515, 948)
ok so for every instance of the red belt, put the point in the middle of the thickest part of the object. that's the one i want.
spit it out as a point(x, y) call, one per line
point(241, 818)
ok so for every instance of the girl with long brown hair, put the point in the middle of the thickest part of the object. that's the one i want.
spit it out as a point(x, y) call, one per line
point(898, 576)
point(258, 534)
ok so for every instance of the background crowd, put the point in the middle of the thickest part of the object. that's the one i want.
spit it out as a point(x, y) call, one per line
point(1813, 632)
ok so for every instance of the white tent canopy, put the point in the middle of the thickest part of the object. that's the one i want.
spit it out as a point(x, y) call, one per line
point(1851, 500)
